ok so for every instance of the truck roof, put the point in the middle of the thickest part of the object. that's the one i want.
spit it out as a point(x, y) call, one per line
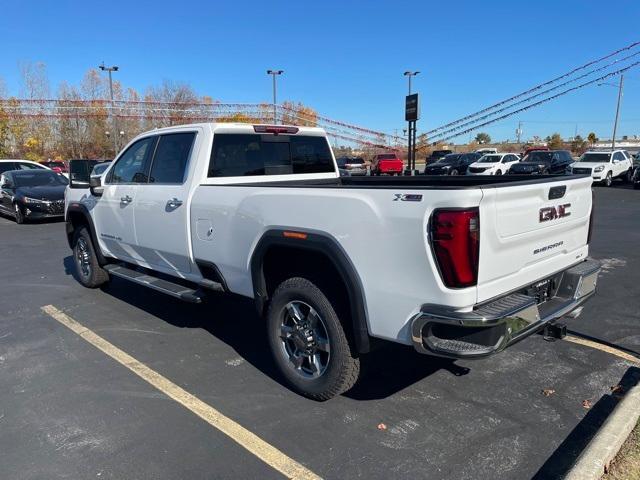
point(234, 127)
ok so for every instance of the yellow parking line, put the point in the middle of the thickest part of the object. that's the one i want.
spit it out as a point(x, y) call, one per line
point(254, 444)
point(603, 348)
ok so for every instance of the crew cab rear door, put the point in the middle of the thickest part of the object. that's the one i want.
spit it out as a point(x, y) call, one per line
point(531, 230)
point(162, 210)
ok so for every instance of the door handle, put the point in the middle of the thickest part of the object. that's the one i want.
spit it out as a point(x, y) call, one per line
point(126, 199)
point(174, 203)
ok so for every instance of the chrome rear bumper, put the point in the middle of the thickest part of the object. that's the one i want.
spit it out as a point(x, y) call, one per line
point(492, 327)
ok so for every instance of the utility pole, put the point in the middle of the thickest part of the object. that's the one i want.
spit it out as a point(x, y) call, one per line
point(116, 135)
point(273, 74)
point(519, 131)
point(615, 124)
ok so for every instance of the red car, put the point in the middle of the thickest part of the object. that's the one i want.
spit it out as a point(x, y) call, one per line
point(534, 149)
point(388, 163)
point(56, 166)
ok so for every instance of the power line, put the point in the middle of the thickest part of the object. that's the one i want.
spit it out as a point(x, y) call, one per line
point(537, 95)
point(540, 102)
point(531, 90)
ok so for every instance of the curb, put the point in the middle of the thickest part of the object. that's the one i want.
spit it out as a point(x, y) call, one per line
point(604, 446)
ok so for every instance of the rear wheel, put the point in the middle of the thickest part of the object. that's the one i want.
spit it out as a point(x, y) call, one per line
point(19, 214)
point(608, 180)
point(308, 342)
point(89, 271)
point(499, 172)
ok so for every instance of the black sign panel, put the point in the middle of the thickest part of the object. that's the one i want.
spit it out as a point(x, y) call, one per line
point(411, 109)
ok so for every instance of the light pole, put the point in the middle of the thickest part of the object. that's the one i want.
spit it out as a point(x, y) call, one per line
point(113, 68)
point(410, 74)
point(615, 123)
point(273, 74)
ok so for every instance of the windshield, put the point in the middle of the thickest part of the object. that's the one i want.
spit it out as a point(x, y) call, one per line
point(537, 156)
point(99, 169)
point(448, 158)
point(37, 178)
point(490, 159)
point(595, 157)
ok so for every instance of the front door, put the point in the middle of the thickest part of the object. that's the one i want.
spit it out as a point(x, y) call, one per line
point(162, 210)
point(113, 212)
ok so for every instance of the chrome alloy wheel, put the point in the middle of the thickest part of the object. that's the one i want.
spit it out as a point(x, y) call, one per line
point(304, 339)
point(83, 257)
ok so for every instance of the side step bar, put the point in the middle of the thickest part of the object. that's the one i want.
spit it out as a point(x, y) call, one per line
point(174, 289)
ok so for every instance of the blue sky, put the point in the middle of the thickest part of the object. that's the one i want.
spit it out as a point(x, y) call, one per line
point(343, 58)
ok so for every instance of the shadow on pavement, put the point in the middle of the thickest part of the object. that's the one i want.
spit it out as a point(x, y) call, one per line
point(233, 319)
point(561, 461)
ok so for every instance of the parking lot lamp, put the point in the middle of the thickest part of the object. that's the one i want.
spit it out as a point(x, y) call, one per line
point(273, 74)
point(410, 74)
point(113, 68)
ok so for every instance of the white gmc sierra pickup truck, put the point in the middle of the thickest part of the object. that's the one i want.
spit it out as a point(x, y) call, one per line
point(459, 267)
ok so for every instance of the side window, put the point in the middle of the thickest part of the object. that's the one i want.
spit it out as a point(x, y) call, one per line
point(131, 167)
point(6, 166)
point(619, 156)
point(555, 158)
point(255, 154)
point(26, 166)
point(172, 155)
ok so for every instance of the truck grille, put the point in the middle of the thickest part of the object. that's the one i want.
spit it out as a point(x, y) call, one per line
point(476, 169)
point(582, 170)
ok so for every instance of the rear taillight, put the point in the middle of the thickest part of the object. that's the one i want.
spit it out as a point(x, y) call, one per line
point(455, 237)
point(593, 207)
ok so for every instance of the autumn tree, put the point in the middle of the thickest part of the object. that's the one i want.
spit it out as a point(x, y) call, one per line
point(578, 145)
point(483, 138)
point(554, 142)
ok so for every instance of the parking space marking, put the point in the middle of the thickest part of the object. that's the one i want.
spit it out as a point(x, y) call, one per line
point(603, 348)
point(248, 440)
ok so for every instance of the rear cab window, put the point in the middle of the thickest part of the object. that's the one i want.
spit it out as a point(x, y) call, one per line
point(255, 154)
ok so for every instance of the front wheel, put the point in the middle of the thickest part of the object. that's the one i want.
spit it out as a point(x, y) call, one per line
point(89, 271)
point(18, 213)
point(608, 180)
point(308, 342)
point(499, 172)
point(454, 172)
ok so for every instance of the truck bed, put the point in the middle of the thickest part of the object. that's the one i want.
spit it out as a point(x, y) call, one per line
point(420, 182)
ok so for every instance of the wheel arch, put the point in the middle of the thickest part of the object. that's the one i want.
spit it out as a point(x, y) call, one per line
point(318, 243)
point(78, 215)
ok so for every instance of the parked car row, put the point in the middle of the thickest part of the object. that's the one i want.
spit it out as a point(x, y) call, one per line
point(604, 167)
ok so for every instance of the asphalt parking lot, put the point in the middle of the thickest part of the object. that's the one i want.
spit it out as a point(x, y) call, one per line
point(67, 410)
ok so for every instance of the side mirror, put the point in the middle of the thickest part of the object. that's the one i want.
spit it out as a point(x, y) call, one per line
point(95, 185)
point(79, 172)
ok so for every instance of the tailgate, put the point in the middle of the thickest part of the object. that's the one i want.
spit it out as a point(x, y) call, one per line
point(531, 231)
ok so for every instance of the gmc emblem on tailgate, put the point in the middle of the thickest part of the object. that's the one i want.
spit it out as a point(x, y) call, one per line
point(552, 213)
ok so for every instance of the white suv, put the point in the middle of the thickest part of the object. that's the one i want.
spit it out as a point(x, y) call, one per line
point(493, 164)
point(604, 166)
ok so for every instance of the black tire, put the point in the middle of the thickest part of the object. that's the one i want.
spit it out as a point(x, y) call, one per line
point(89, 272)
point(545, 172)
point(636, 186)
point(627, 177)
point(608, 180)
point(341, 368)
point(454, 172)
point(18, 213)
point(499, 172)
